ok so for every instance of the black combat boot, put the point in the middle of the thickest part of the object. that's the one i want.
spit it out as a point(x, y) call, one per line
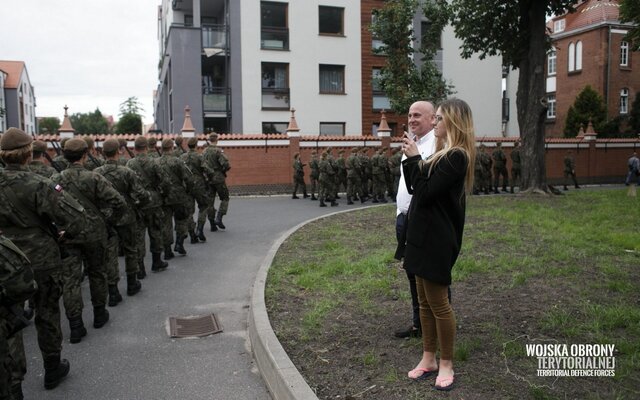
point(214, 228)
point(100, 317)
point(142, 273)
point(200, 232)
point(322, 203)
point(375, 199)
point(313, 197)
point(349, 201)
point(193, 236)
point(16, 391)
point(179, 247)
point(218, 221)
point(114, 296)
point(157, 264)
point(305, 195)
point(168, 254)
point(76, 329)
point(334, 203)
point(55, 370)
point(294, 196)
point(133, 285)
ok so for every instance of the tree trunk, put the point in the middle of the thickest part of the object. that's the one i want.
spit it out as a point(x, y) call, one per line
point(531, 99)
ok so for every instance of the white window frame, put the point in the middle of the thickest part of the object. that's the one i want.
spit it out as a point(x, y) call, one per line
point(552, 58)
point(551, 106)
point(559, 25)
point(624, 101)
point(571, 57)
point(624, 54)
point(579, 55)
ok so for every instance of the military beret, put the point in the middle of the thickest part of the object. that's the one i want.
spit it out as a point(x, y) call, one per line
point(151, 141)
point(14, 138)
point(111, 145)
point(141, 142)
point(76, 145)
point(39, 146)
point(89, 141)
point(63, 141)
point(178, 140)
point(192, 142)
point(213, 137)
point(167, 143)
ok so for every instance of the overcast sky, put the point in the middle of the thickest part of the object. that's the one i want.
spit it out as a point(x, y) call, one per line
point(86, 54)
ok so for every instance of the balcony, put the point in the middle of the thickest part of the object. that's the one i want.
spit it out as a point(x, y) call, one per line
point(215, 37)
point(215, 98)
point(275, 99)
point(274, 38)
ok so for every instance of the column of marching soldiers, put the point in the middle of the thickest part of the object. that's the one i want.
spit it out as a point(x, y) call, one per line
point(365, 177)
point(71, 218)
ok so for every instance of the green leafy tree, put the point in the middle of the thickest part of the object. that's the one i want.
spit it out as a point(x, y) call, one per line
point(516, 30)
point(630, 12)
point(401, 80)
point(131, 106)
point(89, 123)
point(634, 115)
point(129, 123)
point(49, 125)
point(588, 106)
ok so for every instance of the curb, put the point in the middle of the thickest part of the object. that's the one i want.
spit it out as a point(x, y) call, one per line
point(282, 378)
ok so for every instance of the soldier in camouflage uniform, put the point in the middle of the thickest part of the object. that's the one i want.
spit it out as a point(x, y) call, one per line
point(156, 182)
point(201, 195)
point(127, 183)
point(365, 162)
point(341, 172)
point(175, 200)
point(487, 163)
point(500, 169)
point(298, 177)
point(516, 169)
point(16, 286)
point(103, 206)
point(152, 149)
point(179, 150)
point(29, 204)
point(59, 159)
point(570, 170)
point(354, 185)
point(92, 161)
point(314, 164)
point(37, 164)
point(122, 149)
point(377, 171)
point(477, 175)
point(327, 177)
point(216, 165)
point(394, 165)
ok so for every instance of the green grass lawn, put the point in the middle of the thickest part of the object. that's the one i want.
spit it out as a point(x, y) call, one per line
point(573, 260)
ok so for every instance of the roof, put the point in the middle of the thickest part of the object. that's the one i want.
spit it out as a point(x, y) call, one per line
point(589, 13)
point(14, 72)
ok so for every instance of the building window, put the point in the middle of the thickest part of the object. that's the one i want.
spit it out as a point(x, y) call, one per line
point(331, 20)
point(332, 128)
point(376, 43)
point(331, 79)
point(275, 86)
point(551, 62)
point(624, 101)
point(274, 33)
point(624, 54)
point(274, 127)
point(551, 106)
point(575, 56)
point(558, 26)
point(380, 99)
point(424, 27)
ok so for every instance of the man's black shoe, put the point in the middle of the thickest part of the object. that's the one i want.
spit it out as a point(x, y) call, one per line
point(406, 333)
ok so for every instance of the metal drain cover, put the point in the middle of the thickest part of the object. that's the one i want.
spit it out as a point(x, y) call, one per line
point(195, 326)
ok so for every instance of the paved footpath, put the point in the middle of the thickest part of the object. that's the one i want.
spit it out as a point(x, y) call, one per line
point(133, 357)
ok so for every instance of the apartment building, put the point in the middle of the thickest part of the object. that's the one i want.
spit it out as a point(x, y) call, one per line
point(17, 98)
point(242, 65)
point(589, 49)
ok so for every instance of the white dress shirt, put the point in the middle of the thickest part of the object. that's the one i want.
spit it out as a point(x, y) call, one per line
point(426, 147)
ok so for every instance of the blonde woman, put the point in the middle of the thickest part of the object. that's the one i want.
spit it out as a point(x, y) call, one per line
point(434, 233)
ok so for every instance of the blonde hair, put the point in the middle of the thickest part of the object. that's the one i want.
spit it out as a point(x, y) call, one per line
point(458, 121)
point(17, 156)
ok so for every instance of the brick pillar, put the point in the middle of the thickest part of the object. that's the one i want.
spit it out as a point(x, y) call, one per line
point(384, 132)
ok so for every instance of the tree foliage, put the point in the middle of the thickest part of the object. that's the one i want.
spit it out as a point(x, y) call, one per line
point(131, 106)
point(49, 125)
point(401, 80)
point(515, 30)
point(630, 12)
point(89, 123)
point(129, 123)
point(588, 106)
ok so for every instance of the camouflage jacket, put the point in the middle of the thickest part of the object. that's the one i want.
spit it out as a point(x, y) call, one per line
point(29, 225)
point(341, 167)
point(180, 178)
point(394, 163)
point(215, 164)
point(314, 164)
point(298, 168)
point(376, 165)
point(127, 183)
point(93, 162)
point(153, 178)
point(61, 162)
point(354, 168)
point(515, 158)
point(103, 204)
point(326, 170)
point(193, 161)
point(499, 159)
point(486, 162)
point(42, 169)
point(16, 277)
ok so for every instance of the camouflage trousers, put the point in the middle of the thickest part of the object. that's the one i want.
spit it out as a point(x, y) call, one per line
point(201, 218)
point(354, 186)
point(298, 182)
point(379, 185)
point(516, 176)
point(13, 363)
point(314, 186)
point(221, 190)
point(151, 223)
point(179, 213)
point(93, 254)
point(497, 173)
point(326, 189)
point(124, 235)
point(46, 303)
